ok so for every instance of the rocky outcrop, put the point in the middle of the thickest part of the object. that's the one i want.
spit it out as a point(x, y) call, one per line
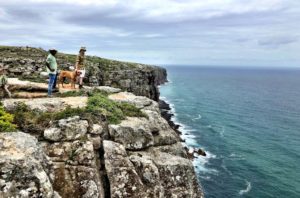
point(146, 155)
point(25, 170)
point(90, 158)
point(148, 174)
point(28, 63)
point(139, 157)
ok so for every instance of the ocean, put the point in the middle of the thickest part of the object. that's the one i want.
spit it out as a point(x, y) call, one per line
point(248, 122)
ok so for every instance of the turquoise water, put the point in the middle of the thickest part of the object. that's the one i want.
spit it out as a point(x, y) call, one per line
point(248, 120)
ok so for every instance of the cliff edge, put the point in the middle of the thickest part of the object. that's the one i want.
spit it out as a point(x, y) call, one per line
point(27, 63)
point(97, 142)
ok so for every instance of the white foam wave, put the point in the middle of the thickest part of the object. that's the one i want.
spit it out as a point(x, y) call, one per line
point(248, 188)
point(205, 177)
point(200, 165)
point(217, 129)
point(236, 156)
point(200, 161)
point(187, 136)
point(197, 118)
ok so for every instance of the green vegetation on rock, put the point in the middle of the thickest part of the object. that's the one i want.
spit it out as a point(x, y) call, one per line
point(98, 106)
point(6, 120)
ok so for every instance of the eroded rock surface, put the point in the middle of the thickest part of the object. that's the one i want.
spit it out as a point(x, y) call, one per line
point(140, 157)
point(25, 170)
point(74, 151)
point(46, 104)
point(148, 153)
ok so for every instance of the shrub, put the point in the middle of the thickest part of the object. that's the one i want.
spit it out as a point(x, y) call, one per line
point(131, 110)
point(6, 120)
point(99, 103)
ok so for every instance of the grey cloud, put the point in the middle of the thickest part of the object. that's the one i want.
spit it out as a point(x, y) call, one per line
point(277, 41)
point(130, 36)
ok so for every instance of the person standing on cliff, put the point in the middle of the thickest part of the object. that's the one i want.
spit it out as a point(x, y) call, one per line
point(80, 65)
point(52, 70)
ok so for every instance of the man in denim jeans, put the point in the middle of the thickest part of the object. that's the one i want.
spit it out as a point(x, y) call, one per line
point(51, 69)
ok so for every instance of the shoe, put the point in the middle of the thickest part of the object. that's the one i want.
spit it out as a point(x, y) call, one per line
point(80, 86)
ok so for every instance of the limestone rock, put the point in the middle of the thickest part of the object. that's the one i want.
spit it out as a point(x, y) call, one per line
point(138, 101)
point(152, 174)
point(133, 133)
point(165, 134)
point(68, 129)
point(46, 104)
point(96, 129)
point(124, 180)
point(53, 134)
point(177, 176)
point(76, 168)
point(172, 175)
point(108, 89)
point(25, 169)
point(77, 181)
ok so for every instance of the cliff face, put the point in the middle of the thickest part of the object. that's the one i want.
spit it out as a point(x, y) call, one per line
point(74, 157)
point(88, 156)
point(28, 63)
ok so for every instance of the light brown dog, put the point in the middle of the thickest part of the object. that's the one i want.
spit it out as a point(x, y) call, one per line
point(71, 75)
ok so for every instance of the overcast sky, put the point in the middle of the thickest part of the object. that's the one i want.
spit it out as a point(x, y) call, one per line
point(186, 32)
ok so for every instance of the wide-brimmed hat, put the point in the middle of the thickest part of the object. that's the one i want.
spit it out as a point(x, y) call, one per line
point(82, 49)
point(52, 49)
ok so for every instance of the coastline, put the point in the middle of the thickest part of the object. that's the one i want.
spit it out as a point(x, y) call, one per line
point(167, 111)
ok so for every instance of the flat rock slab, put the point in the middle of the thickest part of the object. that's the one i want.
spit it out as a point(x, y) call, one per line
point(47, 104)
point(29, 95)
point(138, 101)
point(108, 89)
point(16, 84)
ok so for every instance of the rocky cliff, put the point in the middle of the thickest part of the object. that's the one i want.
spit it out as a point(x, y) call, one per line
point(76, 157)
point(28, 63)
point(98, 142)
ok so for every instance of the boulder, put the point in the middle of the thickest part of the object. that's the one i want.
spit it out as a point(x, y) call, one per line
point(138, 101)
point(149, 173)
point(165, 135)
point(172, 175)
point(68, 129)
point(96, 129)
point(134, 133)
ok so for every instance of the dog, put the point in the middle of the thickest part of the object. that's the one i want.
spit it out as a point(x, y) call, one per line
point(71, 75)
